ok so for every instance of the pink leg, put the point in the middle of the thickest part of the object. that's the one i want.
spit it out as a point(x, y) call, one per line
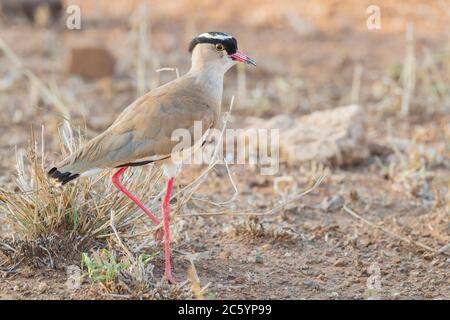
point(166, 220)
point(116, 181)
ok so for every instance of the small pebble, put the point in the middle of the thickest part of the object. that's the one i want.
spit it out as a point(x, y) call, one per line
point(259, 259)
point(42, 287)
point(339, 263)
point(334, 294)
point(225, 254)
point(311, 284)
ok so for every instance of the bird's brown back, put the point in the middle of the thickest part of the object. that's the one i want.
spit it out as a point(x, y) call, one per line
point(144, 128)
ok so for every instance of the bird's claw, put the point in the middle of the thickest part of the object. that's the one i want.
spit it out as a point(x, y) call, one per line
point(170, 278)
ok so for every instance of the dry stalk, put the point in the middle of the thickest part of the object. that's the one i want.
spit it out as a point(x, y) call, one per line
point(270, 212)
point(356, 84)
point(389, 232)
point(141, 71)
point(409, 71)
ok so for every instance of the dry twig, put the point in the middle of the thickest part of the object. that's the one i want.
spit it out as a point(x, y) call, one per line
point(270, 212)
point(389, 232)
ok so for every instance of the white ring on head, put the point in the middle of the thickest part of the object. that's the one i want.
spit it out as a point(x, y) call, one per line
point(216, 36)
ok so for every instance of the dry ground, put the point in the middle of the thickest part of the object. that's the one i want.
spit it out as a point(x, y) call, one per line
point(313, 248)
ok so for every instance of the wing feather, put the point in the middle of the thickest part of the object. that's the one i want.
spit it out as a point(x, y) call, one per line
point(144, 129)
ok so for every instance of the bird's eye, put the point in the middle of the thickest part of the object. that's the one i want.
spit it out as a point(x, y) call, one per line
point(219, 47)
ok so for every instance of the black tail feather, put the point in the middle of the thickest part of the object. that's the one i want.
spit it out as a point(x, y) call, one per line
point(63, 177)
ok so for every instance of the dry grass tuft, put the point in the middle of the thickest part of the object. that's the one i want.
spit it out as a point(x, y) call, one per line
point(122, 276)
point(40, 211)
point(52, 252)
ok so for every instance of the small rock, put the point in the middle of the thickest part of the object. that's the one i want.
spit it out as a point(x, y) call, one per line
point(403, 269)
point(311, 284)
point(91, 62)
point(428, 256)
point(389, 254)
point(335, 203)
point(42, 287)
point(354, 195)
point(225, 254)
point(334, 136)
point(339, 263)
point(334, 294)
point(429, 295)
point(259, 182)
point(259, 259)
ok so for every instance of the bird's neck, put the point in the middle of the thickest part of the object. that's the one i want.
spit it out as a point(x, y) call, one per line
point(209, 78)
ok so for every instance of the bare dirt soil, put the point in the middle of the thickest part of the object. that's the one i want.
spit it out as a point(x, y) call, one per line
point(371, 230)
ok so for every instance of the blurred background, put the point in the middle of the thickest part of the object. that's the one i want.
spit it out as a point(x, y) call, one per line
point(311, 56)
point(369, 108)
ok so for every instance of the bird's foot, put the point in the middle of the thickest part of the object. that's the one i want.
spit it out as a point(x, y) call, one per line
point(170, 278)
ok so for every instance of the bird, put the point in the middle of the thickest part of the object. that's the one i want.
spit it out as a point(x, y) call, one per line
point(141, 134)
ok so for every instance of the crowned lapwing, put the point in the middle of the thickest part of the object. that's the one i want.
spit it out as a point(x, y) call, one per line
point(142, 132)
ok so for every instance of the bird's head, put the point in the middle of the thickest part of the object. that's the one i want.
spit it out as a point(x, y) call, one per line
point(217, 48)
